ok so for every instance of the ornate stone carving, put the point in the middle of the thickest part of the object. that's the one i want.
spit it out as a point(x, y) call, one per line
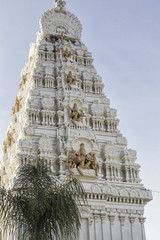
point(29, 131)
point(121, 140)
point(4, 147)
point(15, 109)
point(33, 103)
point(45, 144)
point(9, 138)
point(23, 81)
point(95, 188)
point(51, 21)
point(49, 70)
point(123, 192)
point(81, 160)
point(97, 109)
point(48, 103)
point(25, 143)
point(110, 150)
point(60, 6)
point(75, 115)
point(67, 54)
point(70, 79)
point(134, 193)
point(106, 188)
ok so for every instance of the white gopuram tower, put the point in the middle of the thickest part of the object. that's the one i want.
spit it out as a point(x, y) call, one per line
point(62, 111)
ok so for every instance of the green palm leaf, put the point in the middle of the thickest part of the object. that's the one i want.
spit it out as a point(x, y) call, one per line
point(40, 206)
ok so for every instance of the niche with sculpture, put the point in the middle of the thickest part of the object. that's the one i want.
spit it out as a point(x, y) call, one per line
point(70, 79)
point(75, 115)
point(81, 160)
point(67, 54)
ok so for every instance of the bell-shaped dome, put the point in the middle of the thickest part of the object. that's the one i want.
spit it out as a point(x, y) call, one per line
point(57, 20)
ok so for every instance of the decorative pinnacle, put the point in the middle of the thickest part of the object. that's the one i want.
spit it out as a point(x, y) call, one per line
point(60, 6)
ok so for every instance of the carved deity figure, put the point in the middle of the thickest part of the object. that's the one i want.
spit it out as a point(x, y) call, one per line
point(75, 115)
point(23, 81)
point(70, 162)
point(81, 160)
point(70, 79)
point(67, 54)
point(16, 106)
point(9, 138)
point(4, 147)
point(13, 110)
point(94, 163)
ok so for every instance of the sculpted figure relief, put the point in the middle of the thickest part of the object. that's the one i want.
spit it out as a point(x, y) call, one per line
point(67, 54)
point(81, 160)
point(75, 115)
point(22, 81)
point(4, 147)
point(70, 79)
point(16, 106)
point(9, 138)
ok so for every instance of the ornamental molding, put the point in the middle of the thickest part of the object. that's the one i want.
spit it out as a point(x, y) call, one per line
point(134, 193)
point(96, 188)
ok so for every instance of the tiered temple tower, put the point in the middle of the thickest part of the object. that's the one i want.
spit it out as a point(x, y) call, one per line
point(62, 111)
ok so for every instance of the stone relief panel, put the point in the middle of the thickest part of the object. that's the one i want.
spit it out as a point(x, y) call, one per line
point(45, 143)
point(29, 131)
point(86, 75)
point(96, 189)
point(34, 92)
point(49, 70)
point(133, 193)
point(114, 191)
point(48, 103)
point(97, 109)
point(33, 103)
point(121, 140)
point(106, 188)
point(110, 151)
point(25, 143)
point(123, 192)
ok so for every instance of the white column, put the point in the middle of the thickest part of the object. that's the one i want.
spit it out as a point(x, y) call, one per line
point(91, 228)
point(103, 218)
point(122, 220)
point(142, 221)
point(132, 220)
point(96, 226)
point(111, 219)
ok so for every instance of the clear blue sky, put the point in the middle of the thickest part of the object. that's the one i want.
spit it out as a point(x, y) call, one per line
point(124, 38)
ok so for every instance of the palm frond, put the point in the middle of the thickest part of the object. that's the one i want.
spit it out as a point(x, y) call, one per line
point(40, 206)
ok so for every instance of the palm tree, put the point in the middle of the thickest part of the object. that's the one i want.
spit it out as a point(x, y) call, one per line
point(40, 206)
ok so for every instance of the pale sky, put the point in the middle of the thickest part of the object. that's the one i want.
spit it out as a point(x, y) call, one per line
point(124, 38)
